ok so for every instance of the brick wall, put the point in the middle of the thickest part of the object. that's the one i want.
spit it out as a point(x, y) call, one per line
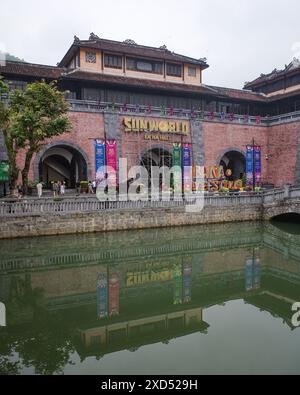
point(283, 144)
point(212, 140)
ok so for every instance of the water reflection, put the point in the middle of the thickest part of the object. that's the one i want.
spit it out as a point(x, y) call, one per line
point(91, 296)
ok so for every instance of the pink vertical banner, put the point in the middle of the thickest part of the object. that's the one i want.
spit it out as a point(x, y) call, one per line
point(114, 294)
point(111, 162)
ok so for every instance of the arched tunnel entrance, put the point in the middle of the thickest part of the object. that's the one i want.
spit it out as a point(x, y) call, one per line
point(236, 162)
point(62, 163)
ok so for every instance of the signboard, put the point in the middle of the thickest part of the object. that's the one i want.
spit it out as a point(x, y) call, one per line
point(135, 124)
point(4, 171)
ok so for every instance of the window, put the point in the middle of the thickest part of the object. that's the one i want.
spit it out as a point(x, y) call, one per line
point(146, 66)
point(192, 72)
point(113, 61)
point(174, 70)
point(90, 57)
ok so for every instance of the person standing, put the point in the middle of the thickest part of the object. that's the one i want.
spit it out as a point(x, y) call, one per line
point(39, 188)
point(90, 186)
point(62, 188)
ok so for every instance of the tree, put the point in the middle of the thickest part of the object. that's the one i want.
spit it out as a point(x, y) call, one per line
point(10, 144)
point(3, 109)
point(35, 115)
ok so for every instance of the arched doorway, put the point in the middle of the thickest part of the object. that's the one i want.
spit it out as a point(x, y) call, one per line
point(156, 157)
point(62, 162)
point(236, 162)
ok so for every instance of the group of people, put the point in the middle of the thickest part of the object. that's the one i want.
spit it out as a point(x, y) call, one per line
point(58, 188)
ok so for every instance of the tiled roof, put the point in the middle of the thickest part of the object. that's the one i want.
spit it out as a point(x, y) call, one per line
point(138, 82)
point(129, 47)
point(240, 94)
point(163, 85)
point(294, 66)
point(31, 70)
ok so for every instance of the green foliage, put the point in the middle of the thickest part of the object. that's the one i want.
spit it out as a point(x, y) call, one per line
point(3, 109)
point(35, 115)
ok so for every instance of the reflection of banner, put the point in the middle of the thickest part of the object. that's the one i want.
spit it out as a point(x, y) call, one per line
point(176, 163)
point(111, 161)
point(249, 165)
point(178, 284)
point(253, 274)
point(187, 162)
point(187, 282)
point(99, 155)
point(114, 294)
point(257, 165)
point(257, 274)
point(102, 295)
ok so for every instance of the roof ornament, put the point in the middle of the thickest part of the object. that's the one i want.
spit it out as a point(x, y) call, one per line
point(94, 37)
point(76, 40)
point(130, 42)
point(203, 60)
point(163, 48)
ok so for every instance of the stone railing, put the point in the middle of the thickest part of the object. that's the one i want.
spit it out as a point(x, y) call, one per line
point(32, 207)
point(35, 206)
point(94, 106)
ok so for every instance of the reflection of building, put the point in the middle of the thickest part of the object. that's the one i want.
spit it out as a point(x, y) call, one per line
point(210, 268)
point(139, 332)
point(109, 82)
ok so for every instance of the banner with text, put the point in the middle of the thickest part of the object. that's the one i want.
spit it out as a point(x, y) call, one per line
point(176, 163)
point(100, 157)
point(111, 162)
point(187, 162)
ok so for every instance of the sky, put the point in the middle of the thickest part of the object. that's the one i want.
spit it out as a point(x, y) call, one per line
point(240, 38)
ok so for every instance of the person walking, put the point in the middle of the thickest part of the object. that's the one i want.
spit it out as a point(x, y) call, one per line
point(39, 188)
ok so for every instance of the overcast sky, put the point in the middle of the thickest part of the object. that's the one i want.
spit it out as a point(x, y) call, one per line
point(240, 38)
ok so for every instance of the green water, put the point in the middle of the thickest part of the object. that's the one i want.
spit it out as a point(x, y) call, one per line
point(200, 300)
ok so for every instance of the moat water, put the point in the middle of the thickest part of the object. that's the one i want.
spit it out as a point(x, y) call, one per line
point(197, 300)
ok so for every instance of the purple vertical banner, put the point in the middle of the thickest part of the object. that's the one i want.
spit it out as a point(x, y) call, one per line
point(257, 165)
point(187, 282)
point(187, 163)
point(249, 165)
point(102, 295)
point(100, 155)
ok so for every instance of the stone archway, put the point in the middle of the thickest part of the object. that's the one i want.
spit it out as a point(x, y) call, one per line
point(235, 160)
point(62, 161)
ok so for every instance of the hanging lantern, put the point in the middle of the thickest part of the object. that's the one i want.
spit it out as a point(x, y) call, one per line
point(231, 117)
point(258, 120)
